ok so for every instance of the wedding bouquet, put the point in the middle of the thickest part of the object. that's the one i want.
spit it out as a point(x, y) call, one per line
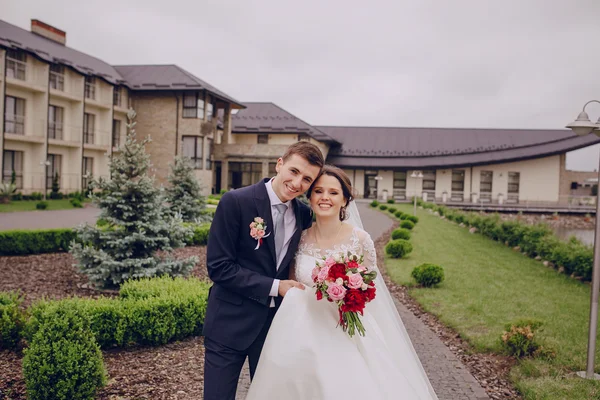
point(342, 279)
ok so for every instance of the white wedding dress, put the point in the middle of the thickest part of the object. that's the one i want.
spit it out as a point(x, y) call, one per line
point(307, 356)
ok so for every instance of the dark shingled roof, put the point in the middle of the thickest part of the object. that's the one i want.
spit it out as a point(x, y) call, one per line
point(167, 77)
point(270, 118)
point(446, 147)
point(13, 37)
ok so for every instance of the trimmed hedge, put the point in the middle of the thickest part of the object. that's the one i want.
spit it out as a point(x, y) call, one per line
point(63, 360)
point(428, 275)
point(27, 242)
point(383, 207)
point(12, 319)
point(398, 248)
point(392, 210)
point(401, 233)
point(374, 203)
point(399, 214)
point(406, 224)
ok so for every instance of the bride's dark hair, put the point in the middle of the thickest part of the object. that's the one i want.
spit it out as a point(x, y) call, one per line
point(345, 183)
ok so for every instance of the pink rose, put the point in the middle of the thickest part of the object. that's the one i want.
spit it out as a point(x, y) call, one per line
point(253, 232)
point(315, 273)
point(330, 261)
point(336, 292)
point(260, 233)
point(323, 273)
point(259, 220)
point(355, 281)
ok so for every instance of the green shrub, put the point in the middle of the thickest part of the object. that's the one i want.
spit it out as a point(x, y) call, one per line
point(383, 207)
point(407, 225)
point(412, 218)
point(76, 203)
point(428, 275)
point(399, 214)
point(11, 319)
point(36, 196)
point(63, 360)
point(25, 242)
point(401, 233)
point(403, 215)
point(398, 248)
point(532, 236)
point(374, 203)
point(392, 210)
point(519, 339)
point(200, 235)
point(42, 205)
point(391, 201)
point(17, 197)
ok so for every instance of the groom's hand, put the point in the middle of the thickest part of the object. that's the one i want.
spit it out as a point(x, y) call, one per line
point(284, 286)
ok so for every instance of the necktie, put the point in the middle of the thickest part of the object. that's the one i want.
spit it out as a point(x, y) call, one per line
point(279, 229)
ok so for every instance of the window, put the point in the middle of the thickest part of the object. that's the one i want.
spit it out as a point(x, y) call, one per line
point(13, 161)
point(57, 77)
point(209, 143)
point(303, 137)
point(89, 121)
point(14, 117)
point(399, 179)
point(88, 171)
point(192, 148)
point(514, 180)
point(90, 87)
point(209, 111)
point(53, 169)
point(117, 96)
point(244, 173)
point(429, 181)
point(16, 64)
point(263, 139)
point(116, 133)
point(190, 105)
point(458, 180)
point(200, 107)
point(486, 178)
point(55, 122)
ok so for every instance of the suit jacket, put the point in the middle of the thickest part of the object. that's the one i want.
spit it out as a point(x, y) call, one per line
point(238, 302)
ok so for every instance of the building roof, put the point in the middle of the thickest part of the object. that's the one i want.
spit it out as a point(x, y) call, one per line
point(445, 147)
point(167, 77)
point(259, 117)
point(136, 77)
point(13, 37)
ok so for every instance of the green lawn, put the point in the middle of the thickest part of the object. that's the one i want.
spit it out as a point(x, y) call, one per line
point(488, 285)
point(29, 205)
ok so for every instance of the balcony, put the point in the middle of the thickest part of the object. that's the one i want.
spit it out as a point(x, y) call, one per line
point(22, 75)
point(20, 128)
point(97, 140)
point(62, 134)
point(68, 89)
point(270, 151)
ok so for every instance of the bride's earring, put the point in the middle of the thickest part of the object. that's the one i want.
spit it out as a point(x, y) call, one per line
point(342, 213)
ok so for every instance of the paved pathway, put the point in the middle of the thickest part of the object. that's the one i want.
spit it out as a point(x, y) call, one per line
point(448, 376)
point(48, 219)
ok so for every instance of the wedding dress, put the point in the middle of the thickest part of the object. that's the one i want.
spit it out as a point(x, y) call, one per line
point(307, 356)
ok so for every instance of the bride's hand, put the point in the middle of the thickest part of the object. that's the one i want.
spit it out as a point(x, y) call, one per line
point(286, 285)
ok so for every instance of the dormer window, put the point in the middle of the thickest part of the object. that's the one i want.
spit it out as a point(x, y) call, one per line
point(117, 96)
point(57, 77)
point(90, 87)
point(16, 64)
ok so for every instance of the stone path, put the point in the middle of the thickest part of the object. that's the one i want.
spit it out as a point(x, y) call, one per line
point(449, 377)
point(48, 219)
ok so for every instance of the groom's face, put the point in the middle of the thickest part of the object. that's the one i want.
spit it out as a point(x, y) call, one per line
point(294, 177)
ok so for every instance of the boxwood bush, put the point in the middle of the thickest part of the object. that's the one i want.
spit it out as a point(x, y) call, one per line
point(401, 233)
point(406, 224)
point(25, 242)
point(12, 319)
point(398, 248)
point(428, 275)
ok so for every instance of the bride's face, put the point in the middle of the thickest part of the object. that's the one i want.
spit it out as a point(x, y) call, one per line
point(327, 197)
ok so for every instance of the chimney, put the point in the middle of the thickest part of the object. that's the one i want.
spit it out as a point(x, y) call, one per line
point(49, 32)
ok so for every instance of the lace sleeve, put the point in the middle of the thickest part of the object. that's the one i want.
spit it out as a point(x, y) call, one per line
point(368, 250)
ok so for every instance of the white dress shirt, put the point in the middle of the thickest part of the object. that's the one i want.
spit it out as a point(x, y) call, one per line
point(289, 225)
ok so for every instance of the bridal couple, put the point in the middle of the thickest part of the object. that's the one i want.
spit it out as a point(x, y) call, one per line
point(261, 252)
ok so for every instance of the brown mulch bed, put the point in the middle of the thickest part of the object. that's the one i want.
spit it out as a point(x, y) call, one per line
point(490, 370)
point(173, 371)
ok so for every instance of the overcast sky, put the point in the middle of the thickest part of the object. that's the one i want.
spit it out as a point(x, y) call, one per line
point(434, 63)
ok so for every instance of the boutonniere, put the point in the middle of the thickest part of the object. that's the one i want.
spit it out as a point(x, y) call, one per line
point(257, 231)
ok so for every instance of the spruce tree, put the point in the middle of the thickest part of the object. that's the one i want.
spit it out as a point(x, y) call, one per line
point(140, 232)
point(185, 193)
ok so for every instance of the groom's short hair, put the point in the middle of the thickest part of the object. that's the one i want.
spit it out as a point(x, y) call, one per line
point(306, 150)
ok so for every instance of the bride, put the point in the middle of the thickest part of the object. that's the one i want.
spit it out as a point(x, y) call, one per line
point(306, 355)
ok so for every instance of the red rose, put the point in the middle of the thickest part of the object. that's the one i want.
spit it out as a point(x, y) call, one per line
point(352, 264)
point(337, 271)
point(354, 301)
point(370, 293)
point(319, 295)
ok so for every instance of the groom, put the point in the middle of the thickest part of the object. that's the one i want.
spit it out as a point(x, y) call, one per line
point(250, 273)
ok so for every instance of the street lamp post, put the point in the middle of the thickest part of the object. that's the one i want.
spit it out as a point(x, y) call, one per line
point(583, 126)
point(416, 175)
point(45, 164)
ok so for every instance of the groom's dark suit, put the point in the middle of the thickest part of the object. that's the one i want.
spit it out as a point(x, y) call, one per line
point(238, 315)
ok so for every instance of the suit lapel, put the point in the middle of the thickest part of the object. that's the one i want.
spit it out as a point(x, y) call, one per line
point(263, 205)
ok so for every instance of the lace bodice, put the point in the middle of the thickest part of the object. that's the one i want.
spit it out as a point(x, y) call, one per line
point(359, 242)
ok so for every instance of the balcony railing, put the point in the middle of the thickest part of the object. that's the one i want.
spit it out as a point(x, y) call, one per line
point(57, 81)
point(55, 130)
point(14, 124)
point(16, 69)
